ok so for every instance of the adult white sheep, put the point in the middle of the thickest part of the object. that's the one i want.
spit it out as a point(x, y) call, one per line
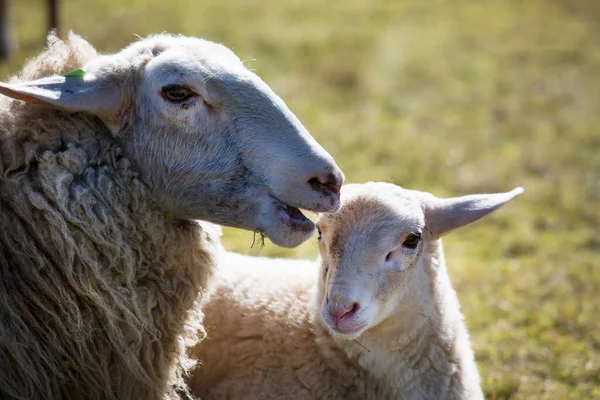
point(102, 173)
point(378, 320)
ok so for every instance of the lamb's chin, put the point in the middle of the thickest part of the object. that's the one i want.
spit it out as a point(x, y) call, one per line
point(347, 333)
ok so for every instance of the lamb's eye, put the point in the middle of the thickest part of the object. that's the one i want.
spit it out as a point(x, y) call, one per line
point(319, 232)
point(412, 241)
point(388, 257)
point(176, 93)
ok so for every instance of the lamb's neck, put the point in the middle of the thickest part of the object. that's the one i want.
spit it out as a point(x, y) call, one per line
point(413, 346)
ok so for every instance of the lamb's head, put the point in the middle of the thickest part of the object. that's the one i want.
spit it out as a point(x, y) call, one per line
point(376, 251)
point(207, 135)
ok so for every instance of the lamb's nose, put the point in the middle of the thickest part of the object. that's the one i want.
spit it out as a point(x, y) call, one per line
point(327, 182)
point(347, 310)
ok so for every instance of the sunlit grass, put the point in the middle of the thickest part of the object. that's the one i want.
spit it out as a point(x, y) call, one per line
point(452, 97)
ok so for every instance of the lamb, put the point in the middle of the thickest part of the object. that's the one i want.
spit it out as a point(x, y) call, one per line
point(376, 318)
point(103, 173)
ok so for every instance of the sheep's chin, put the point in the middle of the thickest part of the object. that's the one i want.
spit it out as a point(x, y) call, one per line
point(284, 225)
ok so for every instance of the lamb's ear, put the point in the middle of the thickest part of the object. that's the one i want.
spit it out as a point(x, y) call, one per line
point(99, 96)
point(445, 215)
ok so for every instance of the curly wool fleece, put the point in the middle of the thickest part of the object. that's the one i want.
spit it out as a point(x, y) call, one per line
point(95, 282)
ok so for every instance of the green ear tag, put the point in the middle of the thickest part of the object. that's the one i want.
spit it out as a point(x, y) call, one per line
point(78, 73)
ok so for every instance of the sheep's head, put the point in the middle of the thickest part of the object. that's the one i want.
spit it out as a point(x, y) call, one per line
point(207, 135)
point(376, 251)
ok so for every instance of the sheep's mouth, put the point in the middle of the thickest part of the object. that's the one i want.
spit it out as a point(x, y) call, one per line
point(292, 216)
point(283, 223)
point(295, 213)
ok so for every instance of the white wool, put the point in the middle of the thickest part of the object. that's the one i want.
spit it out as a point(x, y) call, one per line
point(266, 319)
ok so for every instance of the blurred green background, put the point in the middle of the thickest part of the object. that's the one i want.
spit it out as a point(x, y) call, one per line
point(451, 97)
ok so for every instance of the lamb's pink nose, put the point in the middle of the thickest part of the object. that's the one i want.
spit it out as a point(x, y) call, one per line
point(346, 310)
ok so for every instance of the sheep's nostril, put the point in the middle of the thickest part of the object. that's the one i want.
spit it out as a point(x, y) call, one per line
point(326, 183)
point(335, 188)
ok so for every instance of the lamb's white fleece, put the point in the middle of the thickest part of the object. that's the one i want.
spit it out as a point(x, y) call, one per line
point(274, 326)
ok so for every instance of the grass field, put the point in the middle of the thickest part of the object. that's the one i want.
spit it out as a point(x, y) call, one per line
point(452, 97)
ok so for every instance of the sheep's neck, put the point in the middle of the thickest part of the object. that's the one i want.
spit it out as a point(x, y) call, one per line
point(92, 236)
point(404, 356)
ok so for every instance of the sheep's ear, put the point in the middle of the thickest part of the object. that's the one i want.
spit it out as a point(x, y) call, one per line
point(445, 215)
point(72, 93)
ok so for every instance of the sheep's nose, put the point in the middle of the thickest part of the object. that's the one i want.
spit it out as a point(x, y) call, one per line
point(327, 182)
point(346, 310)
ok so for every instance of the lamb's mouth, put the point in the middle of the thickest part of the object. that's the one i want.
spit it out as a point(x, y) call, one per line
point(292, 216)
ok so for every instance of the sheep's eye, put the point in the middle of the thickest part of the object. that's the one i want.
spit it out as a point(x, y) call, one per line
point(388, 257)
point(319, 232)
point(412, 241)
point(176, 93)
